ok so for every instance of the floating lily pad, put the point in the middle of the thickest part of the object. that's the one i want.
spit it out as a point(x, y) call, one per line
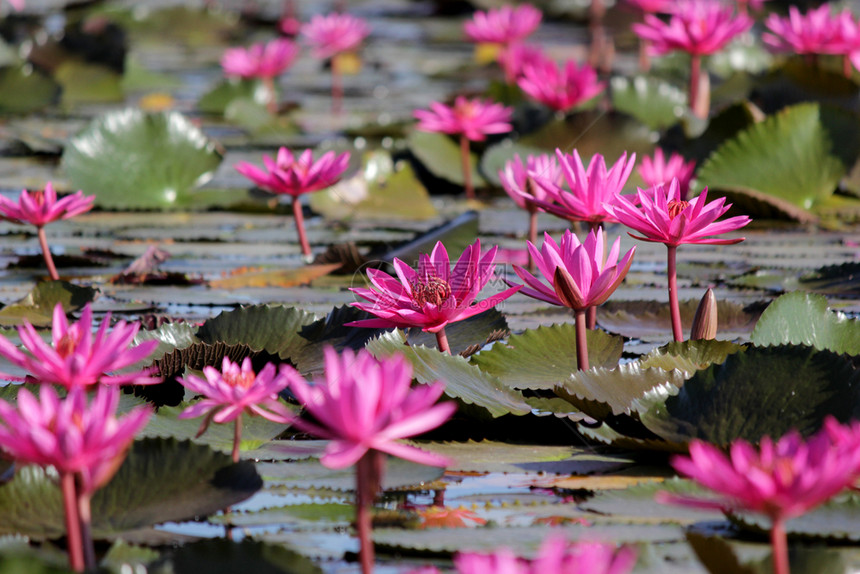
point(494, 159)
point(138, 160)
point(654, 102)
point(757, 392)
point(84, 82)
point(637, 503)
point(311, 474)
point(161, 480)
point(37, 307)
point(800, 318)
point(219, 98)
point(463, 381)
point(317, 515)
point(224, 556)
point(440, 154)
point(544, 357)
point(24, 90)
point(836, 520)
point(843, 279)
point(795, 146)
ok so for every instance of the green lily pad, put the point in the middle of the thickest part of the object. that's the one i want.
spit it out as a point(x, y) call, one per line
point(218, 99)
point(24, 90)
point(160, 480)
point(540, 359)
point(170, 336)
point(800, 318)
point(182, 25)
point(463, 380)
point(138, 160)
point(756, 392)
point(381, 190)
point(654, 102)
point(84, 82)
point(838, 520)
point(841, 279)
point(440, 154)
point(121, 554)
point(637, 503)
point(795, 146)
point(321, 514)
point(494, 159)
point(223, 556)
point(37, 307)
point(726, 124)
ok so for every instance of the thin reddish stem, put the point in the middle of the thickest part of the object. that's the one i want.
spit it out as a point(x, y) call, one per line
point(73, 522)
point(237, 438)
point(467, 167)
point(847, 68)
point(86, 522)
point(442, 341)
point(336, 87)
point(695, 73)
point(368, 475)
point(644, 55)
point(300, 227)
point(46, 254)
point(779, 547)
point(591, 312)
point(271, 95)
point(581, 340)
point(533, 222)
point(674, 307)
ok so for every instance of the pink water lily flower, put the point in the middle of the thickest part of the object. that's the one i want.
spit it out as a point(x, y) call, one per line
point(41, 207)
point(592, 189)
point(818, 31)
point(781, 480)
point(662, 216)
point(365, 406)
point(236, 390)
point(698, 27)
point(576, 275)
point(76, 357)
point(17, 4)
point(515, 57)
point(559, 87)
point(294, 176)
point(263, 60)
point(518, 181)
point(335, 33)
point(83, 440)
point(652, 6)
point(506, 25)
point(472, 120)
point(434, 295)
point(658, 170)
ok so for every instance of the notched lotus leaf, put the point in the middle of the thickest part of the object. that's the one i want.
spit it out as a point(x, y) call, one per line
point(837, 520)
point(689, 356)
point(160, 480)
point(138, 160)
point(86, 82)
point(256, 277)
point(756, 392)
point(37, 307)
point(637, 503)
point(795, 145)
point(224, 556)
point(651, 319)
point(311, 475)
point(800, 318)
point(652, 101)
point(843, 279)
point(219, 98)
point(440, 154)
point(540, 359)
point(463, 381)
point(311, 515)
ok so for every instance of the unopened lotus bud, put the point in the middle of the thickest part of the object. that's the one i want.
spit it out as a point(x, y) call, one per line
point(705, 320)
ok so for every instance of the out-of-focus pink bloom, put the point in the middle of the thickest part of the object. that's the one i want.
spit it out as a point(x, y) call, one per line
point(236, 390)
point(518, 179)
point(72, 435)
point(819, 31)
point(652, 6)
point(366, 404)
point(290, 26)
point(433, 296)
point(505, 25)
point(42, 207)
point(663, 217)
point(698, 27)
point(292, 175)
point(17, 4)
point(334, 33)
point(592, 190)
point(260, 60)
point(474, 118)
point(515, 57)
point(560, 88)
point(781, 480)
point(76, 358)
point(576, 275)
point(658, 170)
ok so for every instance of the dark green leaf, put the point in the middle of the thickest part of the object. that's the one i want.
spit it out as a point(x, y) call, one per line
point(216, 100)
point(654, 102)
point(37, 307)
point(24, 90)
point(440, 154)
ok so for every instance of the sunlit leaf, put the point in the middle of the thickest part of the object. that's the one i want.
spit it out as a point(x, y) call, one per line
point(440, 154)
point(37, 307)
point(654, 102)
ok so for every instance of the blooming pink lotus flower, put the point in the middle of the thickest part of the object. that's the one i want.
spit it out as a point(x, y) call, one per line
point(560, 88)
point(40, 208)
point(85, 443)
point(289, 175)
point(698, 27)
point(260, 60)
point(364, 405)
point(235, 391)
point(781, 480)
point(515, 57)
point(663, 217)
point(652, 6)
point(17, 4)
point(518, 178)
point(657, 170)
point(76, 358)
point(471, 119)
point(506, 25)
point(432, 297)
point(591, 189)
point(819, 31)
point(578, 276)
point(334, 33)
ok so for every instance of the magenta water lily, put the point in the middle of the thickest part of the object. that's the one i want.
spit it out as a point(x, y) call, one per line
point(559, 87)
point(41, 207)
point(432, 296)
point(263, 61)
point(658, 170)
point(506, 25)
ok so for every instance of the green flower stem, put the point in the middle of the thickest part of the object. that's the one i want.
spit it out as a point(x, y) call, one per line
point(674, 307)
point(779, 547)
point(46, 254)
point(73, 522)
point(442, 341)
point(581, 340)
point(467, 168)
point(300, 227)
